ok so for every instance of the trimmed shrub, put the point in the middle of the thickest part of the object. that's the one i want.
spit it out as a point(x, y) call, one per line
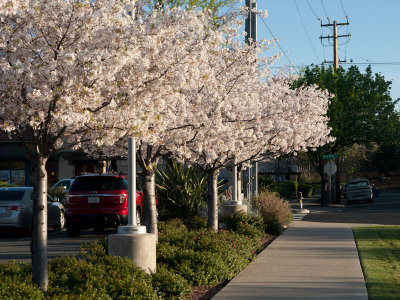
point(273, 209)
point(247, 224)
point(205, 257)
point(170, 284)
point(198, 223)
point(16, 282)
point(96, 275)
point(287, 189)
point(305, 189)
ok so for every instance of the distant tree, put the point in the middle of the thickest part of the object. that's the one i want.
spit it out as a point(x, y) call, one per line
point(361, 110)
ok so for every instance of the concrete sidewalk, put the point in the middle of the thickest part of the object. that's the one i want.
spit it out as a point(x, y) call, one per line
point(309, 261)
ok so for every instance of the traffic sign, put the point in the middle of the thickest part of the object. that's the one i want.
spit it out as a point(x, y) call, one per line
point(330, 168)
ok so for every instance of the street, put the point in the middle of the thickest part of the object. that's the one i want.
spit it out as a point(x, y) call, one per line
point(15, 246)
point(384, 211)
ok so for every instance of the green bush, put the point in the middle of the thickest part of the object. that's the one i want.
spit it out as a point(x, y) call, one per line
point(181, 191)
point(288, 189)
point(16, 282)
point(246, 224)
point(96, 275)
point(273, 209)
point(4, 184)
point(267, 183)
point(170, 284)
point(273, 226)
point(58, 192)
point(204, 257)
point(198, 223)
point(185, 258)
point(305, 189)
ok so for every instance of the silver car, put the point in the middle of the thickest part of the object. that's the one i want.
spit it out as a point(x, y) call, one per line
point(16, 208)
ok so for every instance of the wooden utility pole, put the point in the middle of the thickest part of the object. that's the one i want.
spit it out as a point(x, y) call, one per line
point(335, 37)
point(336, 66)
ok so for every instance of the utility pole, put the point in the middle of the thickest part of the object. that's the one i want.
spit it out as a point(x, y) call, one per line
point(251, 29)
point(335, 66)
point(335, 37)
point(251, 21)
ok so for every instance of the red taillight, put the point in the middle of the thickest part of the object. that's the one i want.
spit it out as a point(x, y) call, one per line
point(15, 207)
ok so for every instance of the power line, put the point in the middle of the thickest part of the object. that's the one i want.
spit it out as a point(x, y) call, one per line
point(344, 10)
point(315, 14)
point(305, 29)
point(325, 11)
point(276, 40)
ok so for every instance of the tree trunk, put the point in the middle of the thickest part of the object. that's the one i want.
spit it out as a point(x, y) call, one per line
point(324, 190)
point(149, 193)
point(39, 230)
point(213, 199)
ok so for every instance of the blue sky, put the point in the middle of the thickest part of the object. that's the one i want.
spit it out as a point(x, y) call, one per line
point(374, 28)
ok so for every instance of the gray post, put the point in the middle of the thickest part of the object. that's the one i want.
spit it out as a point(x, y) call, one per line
point(251, 22)
point(132, 182)
point(131, 240)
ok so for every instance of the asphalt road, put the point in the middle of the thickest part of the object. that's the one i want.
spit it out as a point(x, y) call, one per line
point(384, 211)
point(16, 245)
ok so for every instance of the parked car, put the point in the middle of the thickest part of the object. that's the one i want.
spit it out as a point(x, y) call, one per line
point(358, 189)
point(16, 209)
point(99, 201)
point(65, 183)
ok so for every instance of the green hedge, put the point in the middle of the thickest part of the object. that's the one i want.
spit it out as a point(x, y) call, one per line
point(305, 189)
point(185, 258)
point(288, 189)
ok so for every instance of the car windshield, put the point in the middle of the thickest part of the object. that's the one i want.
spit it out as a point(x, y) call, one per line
point(11, 195)
point(358, 184)
point(99, 183)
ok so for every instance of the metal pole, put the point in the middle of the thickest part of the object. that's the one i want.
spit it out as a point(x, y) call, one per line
point(235, 183)
point(132, 182)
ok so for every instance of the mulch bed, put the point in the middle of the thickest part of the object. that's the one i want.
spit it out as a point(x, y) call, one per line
point(207, 292)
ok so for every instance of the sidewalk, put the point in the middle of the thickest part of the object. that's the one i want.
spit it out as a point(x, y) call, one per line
point(309, 261)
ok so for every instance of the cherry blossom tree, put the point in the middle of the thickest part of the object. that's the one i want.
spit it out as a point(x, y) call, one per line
point(58, 66)
point(239, 117)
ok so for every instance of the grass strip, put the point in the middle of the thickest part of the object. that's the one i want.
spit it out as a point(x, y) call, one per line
point(379, 250)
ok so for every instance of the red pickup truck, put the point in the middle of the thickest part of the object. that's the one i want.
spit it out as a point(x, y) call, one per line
point(99, 201)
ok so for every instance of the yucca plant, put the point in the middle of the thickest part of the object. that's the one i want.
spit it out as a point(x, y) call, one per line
point(180, 190)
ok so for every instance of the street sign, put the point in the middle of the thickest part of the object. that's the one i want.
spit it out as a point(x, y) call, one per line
point(329, 156)
point(330, 168)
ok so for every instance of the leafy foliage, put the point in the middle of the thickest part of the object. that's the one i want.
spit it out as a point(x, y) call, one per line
point(204, 257)
point(287, 189)
point(246, 224)
point(185, 258)
point(58, 192)
point(181, 191)
point(361, 110)
point(16, 283)
point(274, 210)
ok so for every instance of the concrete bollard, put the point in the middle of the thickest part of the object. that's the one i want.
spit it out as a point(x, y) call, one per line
point(137, 246)
point(231, 208)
